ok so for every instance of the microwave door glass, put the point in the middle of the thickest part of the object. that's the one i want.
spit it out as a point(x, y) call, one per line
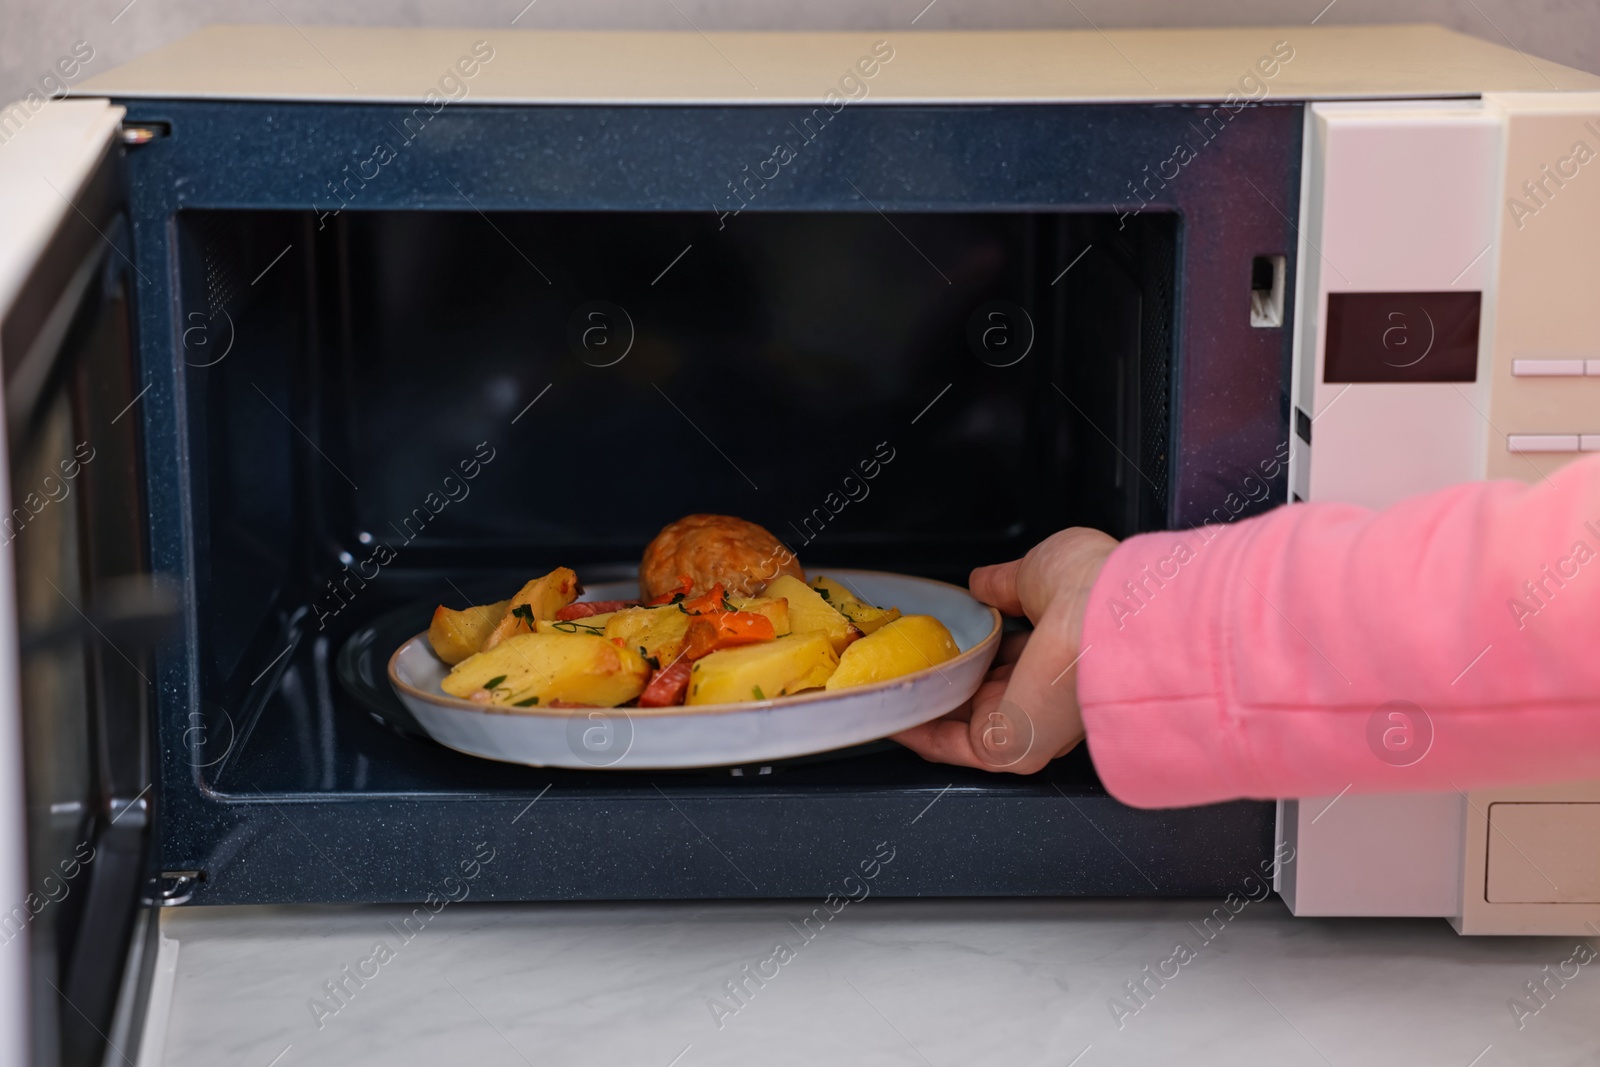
point(89, 617)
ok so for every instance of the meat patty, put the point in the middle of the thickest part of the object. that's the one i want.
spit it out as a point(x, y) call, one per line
point(708, 549)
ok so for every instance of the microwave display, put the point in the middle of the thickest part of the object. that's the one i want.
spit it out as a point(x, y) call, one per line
point(1402, 337)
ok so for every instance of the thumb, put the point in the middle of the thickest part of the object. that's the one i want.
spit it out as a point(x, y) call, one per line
point(1061, 567)
point(997, 586)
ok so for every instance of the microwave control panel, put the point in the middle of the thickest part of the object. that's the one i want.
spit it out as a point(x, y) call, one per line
point(1447, 335)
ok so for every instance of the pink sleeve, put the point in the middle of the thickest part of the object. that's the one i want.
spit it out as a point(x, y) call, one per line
point(1451, 641)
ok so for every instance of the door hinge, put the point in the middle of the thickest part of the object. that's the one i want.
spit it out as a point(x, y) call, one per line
point(178, 886)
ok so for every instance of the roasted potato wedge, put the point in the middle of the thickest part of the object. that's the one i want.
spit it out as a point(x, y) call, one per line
point(539, 599)
point(774, 608)
point(762, 672)
point(455, 635)
point(866, 616)
point(589, 624)
point(528, 670)
point(809, 612)
point(908, 644)
point(654, 633)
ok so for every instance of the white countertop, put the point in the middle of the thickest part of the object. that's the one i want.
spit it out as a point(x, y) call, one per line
point(935, 983)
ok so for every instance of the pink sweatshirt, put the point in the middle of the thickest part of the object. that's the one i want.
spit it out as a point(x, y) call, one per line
point(1450, 641)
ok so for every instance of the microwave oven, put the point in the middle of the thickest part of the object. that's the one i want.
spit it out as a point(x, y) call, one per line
point(269, 296)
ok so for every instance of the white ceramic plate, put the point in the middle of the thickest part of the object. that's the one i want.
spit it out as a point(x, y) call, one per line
point(710, 735)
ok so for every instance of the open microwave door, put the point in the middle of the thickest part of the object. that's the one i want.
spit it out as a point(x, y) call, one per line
point(77, 600)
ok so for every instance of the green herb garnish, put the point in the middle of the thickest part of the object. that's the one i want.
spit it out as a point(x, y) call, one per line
point(495, 681)
point(655, 664)
point(757, 691)
point(525, 613)
point(530, 702)
point(823, 593)
point(572, 626)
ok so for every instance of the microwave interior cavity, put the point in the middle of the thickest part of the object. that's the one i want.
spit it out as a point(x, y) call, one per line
point(388, 410)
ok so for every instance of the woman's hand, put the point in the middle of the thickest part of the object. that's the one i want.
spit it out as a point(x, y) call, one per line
point(1026, 712)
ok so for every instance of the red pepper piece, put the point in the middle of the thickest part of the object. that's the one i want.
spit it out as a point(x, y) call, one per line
point(667, 687)
point(583, 609)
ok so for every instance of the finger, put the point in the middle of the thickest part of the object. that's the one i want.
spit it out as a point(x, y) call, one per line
point(988, 694)
point(945, 739)
point(948, 738)
point(997, 586)
point(941, 741)
point(1037, 716)
point(1011, 646)
point(961, 714)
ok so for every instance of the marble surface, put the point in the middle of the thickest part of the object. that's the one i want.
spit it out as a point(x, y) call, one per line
point(919, 983)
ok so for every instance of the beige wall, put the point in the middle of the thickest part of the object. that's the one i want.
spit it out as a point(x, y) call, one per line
point(34, 34)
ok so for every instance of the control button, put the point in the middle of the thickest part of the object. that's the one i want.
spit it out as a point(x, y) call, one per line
point(1530, 850)
point(1542, 442)
point(1589, 442)
point(1551, 368)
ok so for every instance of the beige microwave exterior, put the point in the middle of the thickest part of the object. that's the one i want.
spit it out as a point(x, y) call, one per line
point(928, 67)
point(1500, 861)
